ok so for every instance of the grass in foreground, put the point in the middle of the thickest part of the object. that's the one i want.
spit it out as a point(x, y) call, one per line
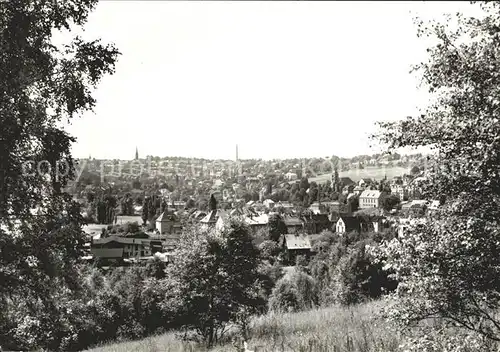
point(332, 329)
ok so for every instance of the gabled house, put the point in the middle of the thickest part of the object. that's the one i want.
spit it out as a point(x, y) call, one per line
point(211, 218)
point(168, 223)
point(347, 224)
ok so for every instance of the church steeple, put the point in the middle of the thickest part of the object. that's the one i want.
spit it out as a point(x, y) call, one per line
point(136, 154)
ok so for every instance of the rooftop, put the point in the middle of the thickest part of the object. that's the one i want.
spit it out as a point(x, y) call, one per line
point(370, 194)
point(297, 242)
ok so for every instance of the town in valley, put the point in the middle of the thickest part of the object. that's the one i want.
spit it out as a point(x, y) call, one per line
point(137, 209)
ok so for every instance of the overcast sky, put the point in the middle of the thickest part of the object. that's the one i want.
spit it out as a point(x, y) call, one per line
point(280, 79)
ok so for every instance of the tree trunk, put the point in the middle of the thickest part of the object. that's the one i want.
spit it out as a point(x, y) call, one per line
point(210, 334)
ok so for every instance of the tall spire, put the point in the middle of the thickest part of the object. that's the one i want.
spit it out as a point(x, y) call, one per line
point(236, 152)
point(136, 153)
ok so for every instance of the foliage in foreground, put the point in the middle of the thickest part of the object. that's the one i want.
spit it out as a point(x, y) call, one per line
point(40, 225)
point(448, 266)
point(215, 282)
point(344, 270)
point(351, 329)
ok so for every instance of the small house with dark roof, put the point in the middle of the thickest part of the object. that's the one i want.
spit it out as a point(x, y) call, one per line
point(347, 224)
point(294, 245)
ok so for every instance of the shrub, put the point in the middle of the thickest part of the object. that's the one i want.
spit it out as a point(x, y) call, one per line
point(217, 282)
point(269, 250)
point(285, 296)
point(307, 290)
point(294, 292)
point(358, 277)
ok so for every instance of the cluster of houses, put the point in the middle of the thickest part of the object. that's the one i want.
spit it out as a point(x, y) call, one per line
point(301, 227)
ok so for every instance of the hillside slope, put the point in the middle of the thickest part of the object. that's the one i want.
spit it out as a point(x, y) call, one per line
point(328, 329)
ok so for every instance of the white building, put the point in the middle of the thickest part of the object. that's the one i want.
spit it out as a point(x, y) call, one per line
point(347, 224)
point(370, 199)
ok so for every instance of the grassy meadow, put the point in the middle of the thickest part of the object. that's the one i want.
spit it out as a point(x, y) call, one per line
point(334, 329)
point(368, 172)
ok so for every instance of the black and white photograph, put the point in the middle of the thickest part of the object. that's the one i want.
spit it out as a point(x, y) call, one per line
point(249, 176)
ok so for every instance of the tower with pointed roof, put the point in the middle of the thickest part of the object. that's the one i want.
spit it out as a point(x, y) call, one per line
point(136, 154)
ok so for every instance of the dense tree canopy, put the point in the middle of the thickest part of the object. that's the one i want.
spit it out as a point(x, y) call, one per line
point(216, 281)
point(449, 266)
point(41, 86)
